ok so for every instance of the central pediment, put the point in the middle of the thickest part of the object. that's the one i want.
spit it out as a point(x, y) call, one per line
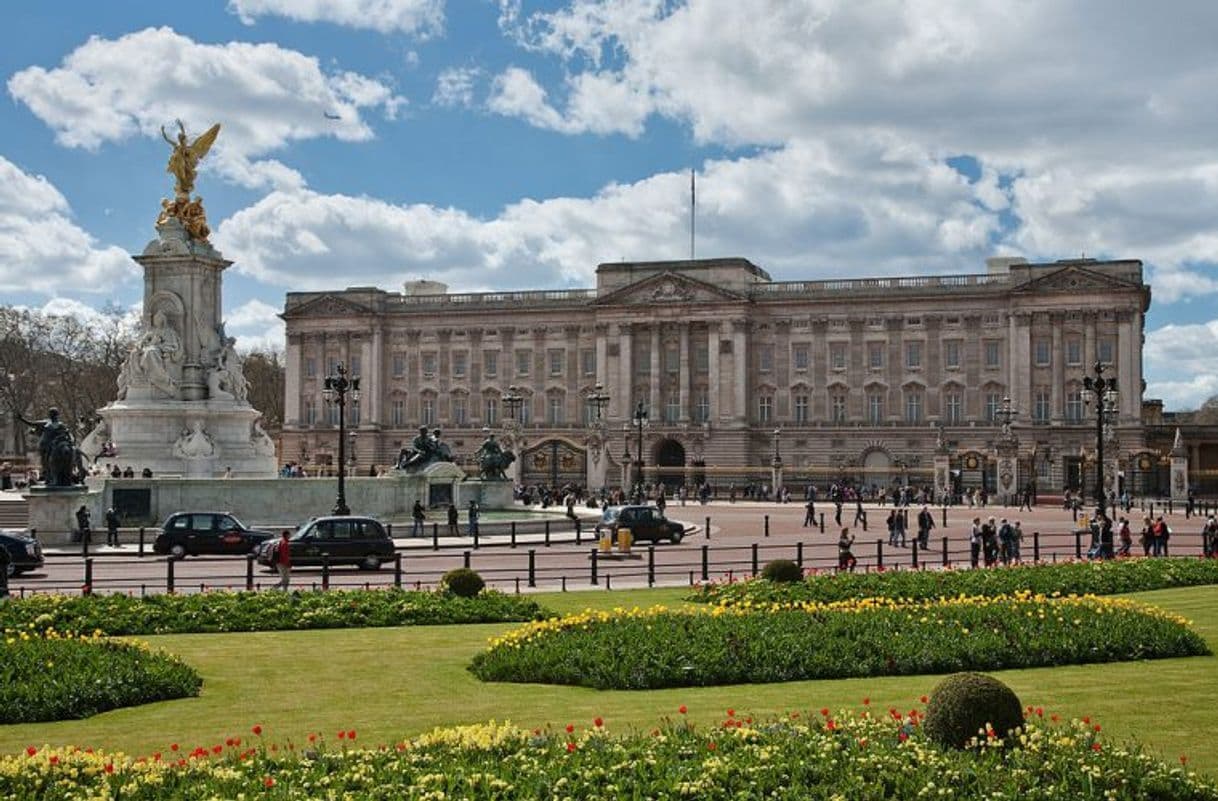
point(1075, 278)
point(668, 288)
point(327, 306)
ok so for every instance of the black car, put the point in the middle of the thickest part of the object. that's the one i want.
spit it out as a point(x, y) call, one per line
point(194, 533)
point(24, 551)
point(348, 540)
point(644, 522)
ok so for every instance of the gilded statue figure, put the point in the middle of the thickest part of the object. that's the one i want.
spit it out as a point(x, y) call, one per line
point(183, 165)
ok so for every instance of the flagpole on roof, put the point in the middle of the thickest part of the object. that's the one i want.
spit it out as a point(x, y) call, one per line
point(693, 199)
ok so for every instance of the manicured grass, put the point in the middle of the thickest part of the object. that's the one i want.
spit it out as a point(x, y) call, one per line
point(387, 683)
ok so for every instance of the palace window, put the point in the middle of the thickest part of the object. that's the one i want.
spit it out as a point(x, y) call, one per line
point(310, 411)
point(490, 363)
point(459, 364)
point(875, 355)
point(310, 367)
point(587, 361)
point(801, 408)
point(332, 414)
point(490, 413)
point(1074, 406)
point(953, 408)
point(1040, 406)
point(460, 411)
point(398, 365)
point(913, 406)
point(429, 364)
point(672, 410)
point(800, 353)
point(913, 355)
point(993, 401)
point(524, 415)
point(589, 412)
point(672, 358)
point(951, 354)
point(397, 413)
point(1074, 352)
point(1106, 351)
point(353, 414)
point(427, 415)
point(765, 408)
point(554, 410)
point(702, 359)
point(875, 408)
point(524, 360)
point(1042, 355)
point(354, 371)
point(837, 355)
point(765, 358)
point(556, 357)
point(702, 406)
point(837, 407)
point(993, 356)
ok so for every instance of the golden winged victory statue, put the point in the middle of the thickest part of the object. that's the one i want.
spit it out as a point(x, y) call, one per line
point(183, 165)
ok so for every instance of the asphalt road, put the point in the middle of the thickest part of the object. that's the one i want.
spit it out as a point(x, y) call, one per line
point(737, 536)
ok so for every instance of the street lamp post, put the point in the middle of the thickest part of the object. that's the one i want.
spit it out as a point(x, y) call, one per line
point(639, 418)
point(335, 390)
point(1104, 392)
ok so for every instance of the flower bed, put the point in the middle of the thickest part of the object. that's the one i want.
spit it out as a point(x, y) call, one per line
point(1095, 578)
point(657, 647)
point(814, 756)
point(52, 676)
point(266, 611)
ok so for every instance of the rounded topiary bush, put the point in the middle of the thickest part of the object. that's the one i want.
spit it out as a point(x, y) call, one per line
point(463, 582)
point(782, 570)
point(962, 705)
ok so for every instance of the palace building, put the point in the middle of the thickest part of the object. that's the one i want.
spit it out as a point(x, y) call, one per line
point(743, 378)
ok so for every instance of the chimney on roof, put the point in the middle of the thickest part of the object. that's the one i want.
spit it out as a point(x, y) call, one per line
point(997, 265)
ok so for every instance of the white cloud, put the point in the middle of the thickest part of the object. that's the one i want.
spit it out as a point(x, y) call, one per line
point(266, 96)
point(455, 87)
point(1187, 356)
point(256, 326)
point(41, 249)
point(420, 18)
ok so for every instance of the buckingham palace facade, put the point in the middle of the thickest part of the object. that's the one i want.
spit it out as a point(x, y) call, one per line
point(867, 379)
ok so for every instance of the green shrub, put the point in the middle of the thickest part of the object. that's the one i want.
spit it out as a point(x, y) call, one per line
point(266, 611)
point(463, 582)
point(782, 571)
point(1108, 577)
point(963, 705)
point(56, 677)
point(648, 649)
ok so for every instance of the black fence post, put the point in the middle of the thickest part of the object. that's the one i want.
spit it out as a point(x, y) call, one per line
point(249, 573)
point(389, 530)
point(879, 553)
point(141, 552)
point(945, 517)
point(754, 549)
point(767, 525)
point(651, 565)
point(325, 571)
point(169, 576)
point(706, 563)
point(706, 530)
point(914, 552)
point(594, 579)
point(435, 537)
point(799, 554)
point(822, 522)
point(532, 567)
point(465, 559)
point(514, 532)
point(476, 535)
point(547, 537)
point(397, 571)
point(1035, 546)
point(945, 551)
point(87, 589)
point(1078, 544)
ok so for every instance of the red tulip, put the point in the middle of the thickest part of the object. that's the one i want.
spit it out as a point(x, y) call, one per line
point(31, 750)
point(598, 722)
point(682, 709)
point(257, 730)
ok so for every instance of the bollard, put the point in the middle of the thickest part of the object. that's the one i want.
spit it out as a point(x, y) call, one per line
point(1035, 546)
point(87, 589)
point(767, 525)
point(389, 530)
point(579, 540)
point(706, 563)
point(325, 571)
point(141, 551)
point(944, 517)
point(476, 535)
point(1078, 544)
point(799, 554)
point(249, 573)
point(564, 583)
point(514, 532)
point(754, 549)
point(594, 581)
point(822, 522)
point(651, 566)
point(517, 585)
point(532, 567)
point(945, 552)
point(707, 529)
point(1169, 506)
point(465, 559)
point(914, 553)
point(608, 581)
point(397, 571)
point(435, 537)
point(169, 576)
point(547, 533)
point(879, 554)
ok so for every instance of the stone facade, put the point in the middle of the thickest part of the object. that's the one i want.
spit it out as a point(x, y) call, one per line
point(739, 373)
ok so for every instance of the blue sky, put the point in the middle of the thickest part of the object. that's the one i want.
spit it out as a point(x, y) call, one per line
point(517, 144)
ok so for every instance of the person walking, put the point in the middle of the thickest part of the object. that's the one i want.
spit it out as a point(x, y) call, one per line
point(283, 560)
point(1125, 537)
point(974, 541)
point(1147, 535)
point(112, 528)
point(845, 559)
point(1005, 534)
point(809, 513)
point(926, 521)
point(453, 529)
point(417, 516)
point(860, 514)
point(472, 514)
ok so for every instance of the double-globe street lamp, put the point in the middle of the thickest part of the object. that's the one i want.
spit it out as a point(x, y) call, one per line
point(335, 390)
point(1104, 392)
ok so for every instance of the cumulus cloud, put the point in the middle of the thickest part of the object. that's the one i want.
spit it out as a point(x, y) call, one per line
point(419, 18)
point(455, 87)
point(1188, 366)
point(256, 326)
point(266, 96)
point(42, 249)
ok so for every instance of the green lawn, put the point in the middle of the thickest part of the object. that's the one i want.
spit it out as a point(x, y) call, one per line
point(386, 683)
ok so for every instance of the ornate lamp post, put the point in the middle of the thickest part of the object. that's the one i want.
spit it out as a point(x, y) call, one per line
point(335, 390)
point(1104, 392)
point(639, 420)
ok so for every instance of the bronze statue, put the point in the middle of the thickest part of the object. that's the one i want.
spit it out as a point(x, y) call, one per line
point(183, 166)
point(493, 459)
point(422, 451)
point(62, 462)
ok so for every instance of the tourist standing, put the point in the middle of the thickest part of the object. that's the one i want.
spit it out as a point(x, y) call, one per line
point(283, 560)
point(845, 559)
point(1125, 537)
point(85, 528)
point(974, 541)
point(809, 513)
point(417, 516)
point(926, 521)
point(112, 528)
point(473, 518)
point(453, 529)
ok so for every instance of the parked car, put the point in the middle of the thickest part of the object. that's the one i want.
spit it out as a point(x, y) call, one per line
point(350, 540)
point(24, 550)
point(644, 522)
point(195, 533)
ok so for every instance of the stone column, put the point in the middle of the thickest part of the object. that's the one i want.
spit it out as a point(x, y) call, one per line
point(1089, 345)
point(657, 407)
point(623, 400)
point(1129, 394)
point(683, 358)
point(712, 370)
point(293, 380)
point(375, 367)
point(1179, 469)
point(1020, 369)
point(740, 375)
point(1057, 391)
point(602, 356)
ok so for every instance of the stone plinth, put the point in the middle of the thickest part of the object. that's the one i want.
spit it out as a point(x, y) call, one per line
point(488, 494)
point(53, 511)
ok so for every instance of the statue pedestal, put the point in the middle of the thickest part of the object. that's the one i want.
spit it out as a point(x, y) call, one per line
point(147, 431)
point(53, 511)
point(1179, 478)
point(943, 477)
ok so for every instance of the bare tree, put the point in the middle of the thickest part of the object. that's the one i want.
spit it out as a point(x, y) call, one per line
point(266, 374)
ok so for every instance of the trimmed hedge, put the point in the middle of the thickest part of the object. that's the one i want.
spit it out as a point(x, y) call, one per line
point(966, 708)
point(843, 756)
point(265, 611)
point(649, 649)
point(60, 677)
point(1108, 577)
